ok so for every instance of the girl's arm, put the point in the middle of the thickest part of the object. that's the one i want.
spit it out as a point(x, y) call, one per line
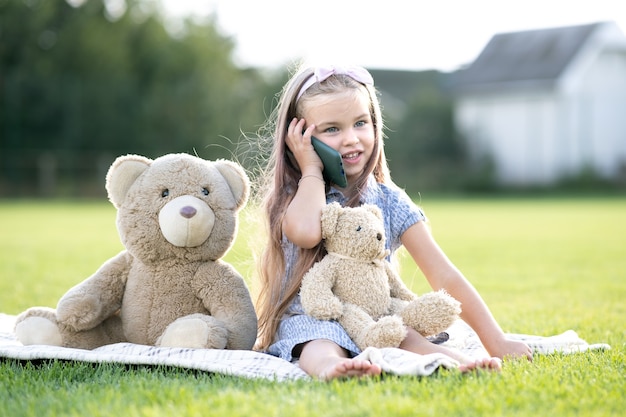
point(301, 223)
point(442, 274)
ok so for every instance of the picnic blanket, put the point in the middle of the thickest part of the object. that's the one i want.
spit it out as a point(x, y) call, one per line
point(251, 364)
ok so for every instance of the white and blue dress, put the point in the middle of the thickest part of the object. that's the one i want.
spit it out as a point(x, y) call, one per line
point(399, 213)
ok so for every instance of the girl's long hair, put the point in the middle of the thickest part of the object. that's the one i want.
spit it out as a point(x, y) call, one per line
point(280, 182)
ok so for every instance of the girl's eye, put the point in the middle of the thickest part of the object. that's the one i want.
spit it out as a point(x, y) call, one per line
point(205, 191)
point(331, 130)
point(358, 229)
point(359, 124)
point(165, 193)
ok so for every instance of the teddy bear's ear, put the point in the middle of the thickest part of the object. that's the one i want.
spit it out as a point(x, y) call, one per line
point(330, 216)
point(236, 178)
point(374, 209)
point(123, 172)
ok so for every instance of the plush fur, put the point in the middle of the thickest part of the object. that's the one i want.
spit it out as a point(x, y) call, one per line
point(176, 216)
point(355, 285)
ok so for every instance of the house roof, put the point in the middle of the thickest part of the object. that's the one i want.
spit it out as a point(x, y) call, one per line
point(536, 57)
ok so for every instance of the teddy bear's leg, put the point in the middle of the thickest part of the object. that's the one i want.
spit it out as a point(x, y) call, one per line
point(431, 313)
point(198, 331)
point(388, 331)
point(106, 333)
point(38, 326)
point(396, 305)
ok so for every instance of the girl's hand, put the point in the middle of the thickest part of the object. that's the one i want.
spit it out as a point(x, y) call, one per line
point(512, 348)
point(301, 222)
point(299, 143)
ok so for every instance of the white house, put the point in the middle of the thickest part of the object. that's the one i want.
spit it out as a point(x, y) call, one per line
point(546, 104)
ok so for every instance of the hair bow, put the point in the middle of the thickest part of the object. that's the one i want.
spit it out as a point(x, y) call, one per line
point(320, 74)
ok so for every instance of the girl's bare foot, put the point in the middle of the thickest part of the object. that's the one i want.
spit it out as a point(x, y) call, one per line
point(349, 368)
point(326, 360)
point(489, 364)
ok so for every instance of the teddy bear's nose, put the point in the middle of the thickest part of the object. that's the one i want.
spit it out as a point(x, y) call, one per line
point(379, 236)
point(188, 212)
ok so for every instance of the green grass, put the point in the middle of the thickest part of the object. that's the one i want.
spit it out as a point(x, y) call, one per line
point(542, 265)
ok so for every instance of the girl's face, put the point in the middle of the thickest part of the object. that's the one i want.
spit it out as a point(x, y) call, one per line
point(343, 121)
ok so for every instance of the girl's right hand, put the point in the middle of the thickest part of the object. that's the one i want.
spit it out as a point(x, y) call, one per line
point(298, 141)
point(302, 219)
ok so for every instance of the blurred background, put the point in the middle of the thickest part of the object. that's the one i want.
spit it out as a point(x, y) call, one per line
point(84, 81)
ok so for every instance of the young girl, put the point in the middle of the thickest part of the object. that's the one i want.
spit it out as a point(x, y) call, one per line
point(339, 106)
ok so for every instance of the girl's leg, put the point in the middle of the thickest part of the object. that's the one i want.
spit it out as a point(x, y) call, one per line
point(417, 343)
point(327, 360)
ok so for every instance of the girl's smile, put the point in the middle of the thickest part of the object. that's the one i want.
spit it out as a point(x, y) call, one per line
point(352, 158)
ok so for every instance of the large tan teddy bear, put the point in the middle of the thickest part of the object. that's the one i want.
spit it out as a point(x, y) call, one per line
point(355, 284)
point(176, 216)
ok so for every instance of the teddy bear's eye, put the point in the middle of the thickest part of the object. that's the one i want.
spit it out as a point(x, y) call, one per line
point(358, 229)
point(205, 191)
point(165, 193)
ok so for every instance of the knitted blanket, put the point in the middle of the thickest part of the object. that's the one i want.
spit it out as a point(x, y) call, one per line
point(250, 364)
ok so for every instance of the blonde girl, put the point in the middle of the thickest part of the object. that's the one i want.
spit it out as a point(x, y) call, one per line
point(339, 106)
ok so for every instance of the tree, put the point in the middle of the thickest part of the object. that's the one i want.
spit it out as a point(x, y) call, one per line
point(79, 87)
point(423, 148)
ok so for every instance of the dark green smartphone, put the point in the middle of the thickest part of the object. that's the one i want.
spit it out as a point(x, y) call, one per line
point(333, 165)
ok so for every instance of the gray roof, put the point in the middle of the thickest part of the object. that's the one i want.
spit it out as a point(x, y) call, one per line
point(533, 57)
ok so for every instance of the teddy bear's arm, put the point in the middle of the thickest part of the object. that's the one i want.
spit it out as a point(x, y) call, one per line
point(397, 287)
point(98, 297)
point(225, 295)
point(316, 291)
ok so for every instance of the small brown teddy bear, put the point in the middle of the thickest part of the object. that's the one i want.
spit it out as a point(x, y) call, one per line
point(355, 285)
point(176, 216)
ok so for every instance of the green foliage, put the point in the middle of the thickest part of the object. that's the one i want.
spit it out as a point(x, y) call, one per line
point(423, 149)
point(80, 88)
point(542, 265)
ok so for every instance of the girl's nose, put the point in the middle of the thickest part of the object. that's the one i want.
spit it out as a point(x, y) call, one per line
point(351, 138)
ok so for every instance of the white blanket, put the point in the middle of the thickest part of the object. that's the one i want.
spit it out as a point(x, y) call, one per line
point(250, 364)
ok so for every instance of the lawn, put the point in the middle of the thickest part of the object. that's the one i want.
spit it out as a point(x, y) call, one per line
point(542, 265)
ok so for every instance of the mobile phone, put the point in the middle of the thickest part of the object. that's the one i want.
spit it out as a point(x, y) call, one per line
point(333, 165)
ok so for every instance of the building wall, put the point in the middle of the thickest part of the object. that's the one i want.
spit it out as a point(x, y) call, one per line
point(538, 136)
point(516, 131)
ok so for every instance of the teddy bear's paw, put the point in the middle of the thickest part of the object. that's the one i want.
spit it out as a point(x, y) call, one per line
point(432, 313)
point(196, 332)
point(388, 331)
point(79, 313)
point(37, 330)
point(323, 309)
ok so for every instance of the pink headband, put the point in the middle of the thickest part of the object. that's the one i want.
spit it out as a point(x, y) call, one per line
point(320, 74)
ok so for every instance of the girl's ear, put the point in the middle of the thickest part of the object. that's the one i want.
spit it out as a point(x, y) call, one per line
point(330, 215)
